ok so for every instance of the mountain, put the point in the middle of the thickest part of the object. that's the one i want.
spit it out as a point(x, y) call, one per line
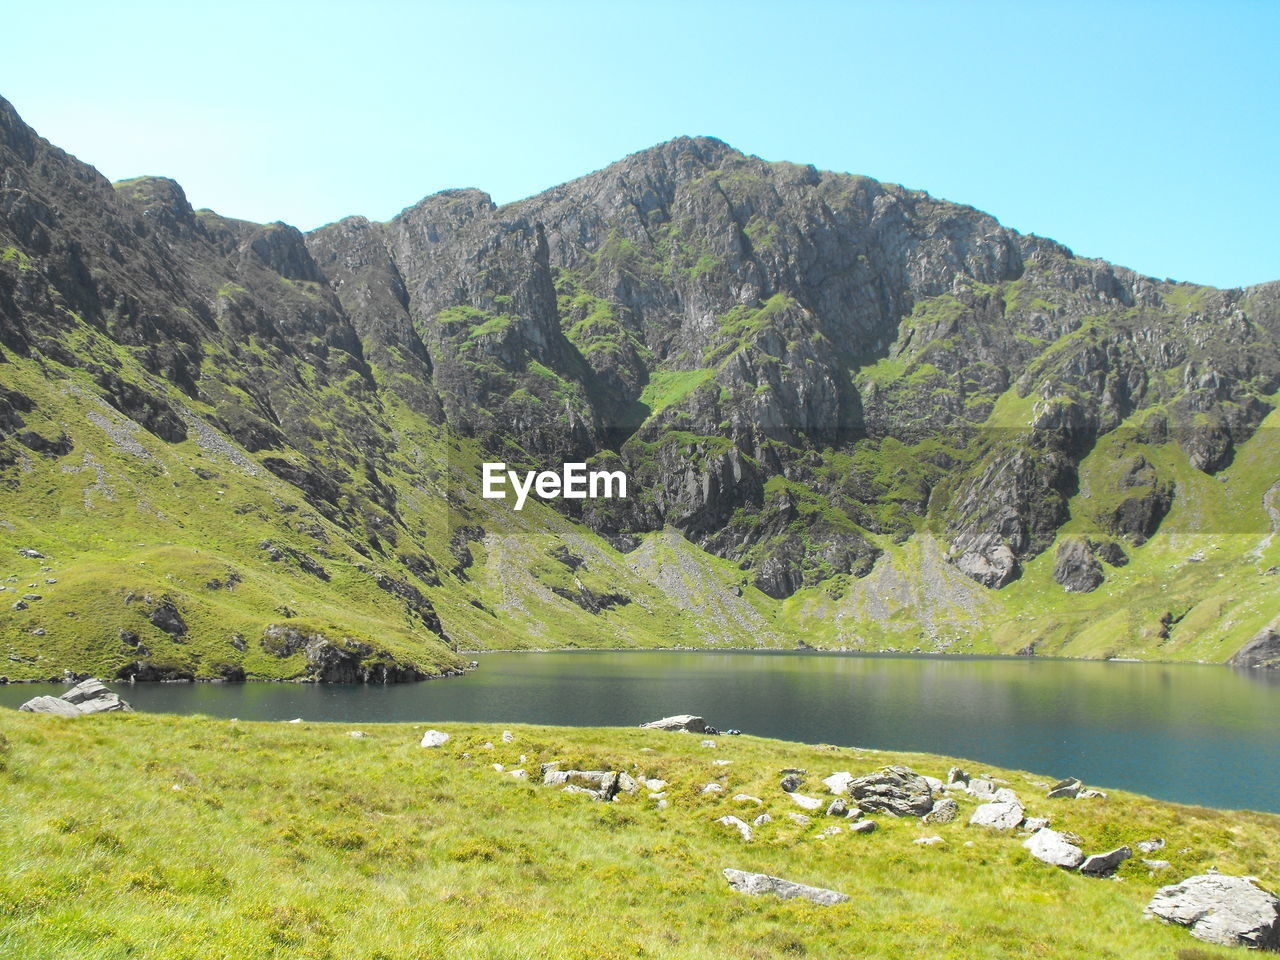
point(851, 416)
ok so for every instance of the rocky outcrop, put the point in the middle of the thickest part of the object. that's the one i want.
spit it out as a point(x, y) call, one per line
point(341, 660)
point(1261, 652)
point(760, 884)
point(1076, 568)
point(1231, 911)
point(87, 697)
point(897, 790)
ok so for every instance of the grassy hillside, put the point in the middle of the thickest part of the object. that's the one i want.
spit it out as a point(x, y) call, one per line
point(184, 837)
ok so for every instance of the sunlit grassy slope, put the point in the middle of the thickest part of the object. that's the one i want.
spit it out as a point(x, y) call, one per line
point(185, 838)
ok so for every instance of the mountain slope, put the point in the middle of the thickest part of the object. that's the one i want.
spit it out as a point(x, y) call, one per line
point(851, 415)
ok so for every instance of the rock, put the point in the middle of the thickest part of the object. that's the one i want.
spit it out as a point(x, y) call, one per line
point(1231, 911)
point(838, 783)
point(357, 734)
point(1151, 846)
point(713, 788)
point(944, 811)
point(762, 820)
point(683, 722)
point(18, 605)
point(87, 697)
point(1262, 651)
point(662, 804)
point(508, 736)
point(627, 783)
point(863, 826)
point(655, 785)
point(33, 554)
point(1054, 849)
point(791, 782)
point(928, 841)
point(709, 743)
point(982, 789)
point(498, 768)
point(956, 775)
point(31, 597)
point(798, 771)
point(54, 705)
point(999, 815)
point(1076, 568)
point(837, 808)
point(747, 798)
point(1155, 865)
point(897, 790)
point(1035, 823)
point(805, 803)
point(759, 884)
point(722, 763)
point(296, 720)
point(435, 738)
point(830, 831)
point(601, 784)
point(799, 818)
point(1067, 789)
point(738, 825)
point(936, 785)
point(1105, 864)
point(1091, 795)
point(518, 774)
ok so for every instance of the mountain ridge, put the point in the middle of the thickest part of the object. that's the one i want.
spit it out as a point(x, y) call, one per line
point(816, 381)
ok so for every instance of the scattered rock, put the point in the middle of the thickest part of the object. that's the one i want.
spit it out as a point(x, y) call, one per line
point(713, 788)
point(600, 784)
point(830, 831)
point(897, 790)
point(863, 826)
point(944, 811)
point(747, 798)
point(435, 738)
point(1067, 789)
point(838, 783)
point(1231, 911)
point(1091, 795)
point(1156, 865)
point(33, 554)
point(31, 597)
point(357, 734)
point(654, 785)
point(507, 736)
point(662, 804)
point(519, 774)
point(762, 820)
point(1054, 849)
point(982, 789)
point(759, 884)
point(956, 775)
point(1105, 864)
point(738, 825)
point(998, 814)
point(1035, 823)
point(18, 605)
point(928, 841)
point(627, 783)
point(791, 782)
point(1151, 846)
point(837, 808)
point(800, 818)
point(805, 803)
point(684, 722)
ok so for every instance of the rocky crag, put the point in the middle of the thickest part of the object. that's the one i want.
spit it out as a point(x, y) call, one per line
point(853, 416)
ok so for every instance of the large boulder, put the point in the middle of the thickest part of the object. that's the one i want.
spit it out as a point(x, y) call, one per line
point(684, 722)
point(88, 696)
point(999, 815)
point(1232, 911)
point(1053, 848)
point(944, 811)
point(760, 884)
point(897, 790)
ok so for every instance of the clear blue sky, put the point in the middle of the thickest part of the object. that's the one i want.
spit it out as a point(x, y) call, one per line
point(1145, 133)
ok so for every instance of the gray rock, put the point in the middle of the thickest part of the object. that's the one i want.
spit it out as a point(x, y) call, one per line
point(1105, 864)
point(1091, 795)
point(1154, 865)
point(1005, 795)
point(982, 789)
point(896, 790)
point(791, 782)
point(838, 783)
point(655, 785)
point(759, 884)
point(944, 811)
point(1076, 568)
point(1151, 846)
point(928, 841)
point(747, 798)
point(838, 808)
point(32, 597)
point(804, 802)
point(601, 784)
point(800, 818)
point(54, 705)
point(18, 605)
point(435, 738)
point(999, 815)
point(1053, 848)
point(956, 775)
point(713, 788)
point(743, 828)
point(863, 826)
point(86, 690)
point(762, 820)
point(685, 722)
point(1262, 651)
point(33, 554)
point(508, 736)
point(627, 783)
point(1035, 823)
point(1067, 789)
point(1231, 911)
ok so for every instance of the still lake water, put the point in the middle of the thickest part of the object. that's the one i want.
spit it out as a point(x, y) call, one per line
point(1189, 733)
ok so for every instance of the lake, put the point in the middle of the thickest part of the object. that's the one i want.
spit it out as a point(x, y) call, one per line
point(1189, 733)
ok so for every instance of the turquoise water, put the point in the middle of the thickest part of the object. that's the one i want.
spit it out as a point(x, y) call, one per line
point(1194, 734)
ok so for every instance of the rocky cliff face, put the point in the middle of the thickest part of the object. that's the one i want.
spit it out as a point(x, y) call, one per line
point(802, 372)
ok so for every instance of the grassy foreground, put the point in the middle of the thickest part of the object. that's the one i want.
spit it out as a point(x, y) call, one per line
point(151, 836)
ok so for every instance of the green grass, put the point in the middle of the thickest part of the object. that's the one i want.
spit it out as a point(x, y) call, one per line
point(184, 838)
